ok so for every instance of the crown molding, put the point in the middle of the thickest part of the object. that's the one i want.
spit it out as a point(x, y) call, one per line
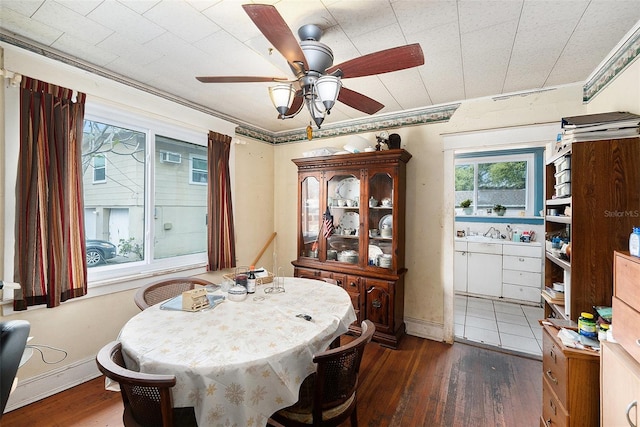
point(617, 62)
point(428, 115)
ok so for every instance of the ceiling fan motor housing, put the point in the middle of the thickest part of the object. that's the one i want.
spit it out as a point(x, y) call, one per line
point(319, 56)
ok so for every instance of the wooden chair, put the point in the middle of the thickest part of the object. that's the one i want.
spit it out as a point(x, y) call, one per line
point(328, 397)
point(162, 290)
point(146, 397)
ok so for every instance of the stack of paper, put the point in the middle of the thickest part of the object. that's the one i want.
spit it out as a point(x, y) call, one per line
point(593, 127)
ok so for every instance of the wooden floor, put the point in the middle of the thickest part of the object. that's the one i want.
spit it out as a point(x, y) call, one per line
point(423, 383)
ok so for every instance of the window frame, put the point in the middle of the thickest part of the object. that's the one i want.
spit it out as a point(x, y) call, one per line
point(503, 157)
point(192, 169)
point(103, 275)
point(95, 169)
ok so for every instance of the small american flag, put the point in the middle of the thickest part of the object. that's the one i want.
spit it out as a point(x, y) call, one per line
point(327, 223)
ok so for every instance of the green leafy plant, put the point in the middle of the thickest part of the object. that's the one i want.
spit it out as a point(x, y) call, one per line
point(130, 246)
point(465, 203)
point(499, 209)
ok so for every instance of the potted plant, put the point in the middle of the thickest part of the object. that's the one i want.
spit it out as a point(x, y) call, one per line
point(466, 207)
point(499, 209)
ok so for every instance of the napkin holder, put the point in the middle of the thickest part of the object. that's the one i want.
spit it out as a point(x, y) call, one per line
point(195, 299)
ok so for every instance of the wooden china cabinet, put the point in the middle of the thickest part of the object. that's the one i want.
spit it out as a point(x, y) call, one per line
point(364, 195)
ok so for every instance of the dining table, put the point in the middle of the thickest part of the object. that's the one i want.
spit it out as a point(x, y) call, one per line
point(241, 361)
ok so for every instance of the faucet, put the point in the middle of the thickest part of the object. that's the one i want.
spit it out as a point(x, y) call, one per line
point(494, 232)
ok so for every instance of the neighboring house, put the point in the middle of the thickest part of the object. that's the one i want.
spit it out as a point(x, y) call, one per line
point(114, 191)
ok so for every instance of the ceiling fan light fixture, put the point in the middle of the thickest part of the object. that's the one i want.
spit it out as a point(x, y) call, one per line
point(328, 87)
point(281, 97)
point(316, 110)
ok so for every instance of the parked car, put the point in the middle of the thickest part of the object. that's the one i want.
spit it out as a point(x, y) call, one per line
point(98, 251)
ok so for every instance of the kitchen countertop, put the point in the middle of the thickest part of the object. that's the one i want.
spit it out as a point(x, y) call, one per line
point(483, 239)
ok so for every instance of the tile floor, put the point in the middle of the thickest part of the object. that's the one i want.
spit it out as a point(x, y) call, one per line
point(506, 325)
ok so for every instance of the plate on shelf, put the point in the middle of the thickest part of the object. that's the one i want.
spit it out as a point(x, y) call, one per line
point(350, 220)
point(374, 251)
point(386, 220)
point(349, 188)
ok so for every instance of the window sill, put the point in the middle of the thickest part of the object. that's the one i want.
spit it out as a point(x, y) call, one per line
point(500, 219)
point(109, 286)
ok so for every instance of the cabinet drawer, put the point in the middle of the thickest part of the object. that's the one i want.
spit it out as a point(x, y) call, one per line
point(553, 413)
point(522, 263)
point(522, 250)
point(625, 329)
point(554, 367)
point(524, 278)
point(485, 248)
point(523, 293)
point(460, 246)
point(627, 281)
point(620, 385)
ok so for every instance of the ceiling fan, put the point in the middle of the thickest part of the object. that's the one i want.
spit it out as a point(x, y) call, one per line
point(317, 82)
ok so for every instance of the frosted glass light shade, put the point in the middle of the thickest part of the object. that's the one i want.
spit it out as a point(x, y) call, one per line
point(327, 88)
point(281, 97)
point(316, 110)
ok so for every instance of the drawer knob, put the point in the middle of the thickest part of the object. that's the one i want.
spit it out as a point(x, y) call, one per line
point(553, 355)
point(547, 423)
point(521, 259)
point(638, 341)
point(630, 406)
point(551, 377)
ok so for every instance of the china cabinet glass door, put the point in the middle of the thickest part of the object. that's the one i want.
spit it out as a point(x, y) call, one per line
point(311, 218)
point(343, 202)
point(381, 221)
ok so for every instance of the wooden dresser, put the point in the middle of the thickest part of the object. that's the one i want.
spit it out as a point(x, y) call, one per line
point(570, 384)
point(620, 363)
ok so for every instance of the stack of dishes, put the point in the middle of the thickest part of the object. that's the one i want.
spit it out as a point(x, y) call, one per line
point(384, 261)
point(348, 256)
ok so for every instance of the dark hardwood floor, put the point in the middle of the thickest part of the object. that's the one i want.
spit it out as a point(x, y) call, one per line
point(422, 383)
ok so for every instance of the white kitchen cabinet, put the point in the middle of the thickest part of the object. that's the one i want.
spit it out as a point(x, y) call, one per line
point(522, 272)
point(484, 269)
point(460, 267)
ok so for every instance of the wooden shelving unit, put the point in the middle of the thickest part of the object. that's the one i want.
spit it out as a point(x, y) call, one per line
point(604, 202)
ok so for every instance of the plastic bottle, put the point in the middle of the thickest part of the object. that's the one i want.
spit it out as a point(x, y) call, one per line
point(587, 325)
point(251, 280)
point(602, 331)
point(634, 242)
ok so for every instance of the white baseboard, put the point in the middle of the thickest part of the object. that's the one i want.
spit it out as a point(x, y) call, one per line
point(423, 329)
point(52, 382)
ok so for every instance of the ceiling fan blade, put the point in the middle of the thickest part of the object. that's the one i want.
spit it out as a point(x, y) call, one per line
point(384, 61)
point(296, 105)
point(272, 25)
point(359, 101)
point(240, 79)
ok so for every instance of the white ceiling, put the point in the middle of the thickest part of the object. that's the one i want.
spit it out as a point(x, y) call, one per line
point(472, 48)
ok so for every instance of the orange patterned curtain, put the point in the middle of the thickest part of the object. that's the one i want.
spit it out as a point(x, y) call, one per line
point(50, 263)
point(221, 236)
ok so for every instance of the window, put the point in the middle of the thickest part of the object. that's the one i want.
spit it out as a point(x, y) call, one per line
point(199, 171)
point(145, 206)
point(506, 180)
point(99, 168)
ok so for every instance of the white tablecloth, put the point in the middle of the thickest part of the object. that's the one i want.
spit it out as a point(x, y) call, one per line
point(240, 362)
